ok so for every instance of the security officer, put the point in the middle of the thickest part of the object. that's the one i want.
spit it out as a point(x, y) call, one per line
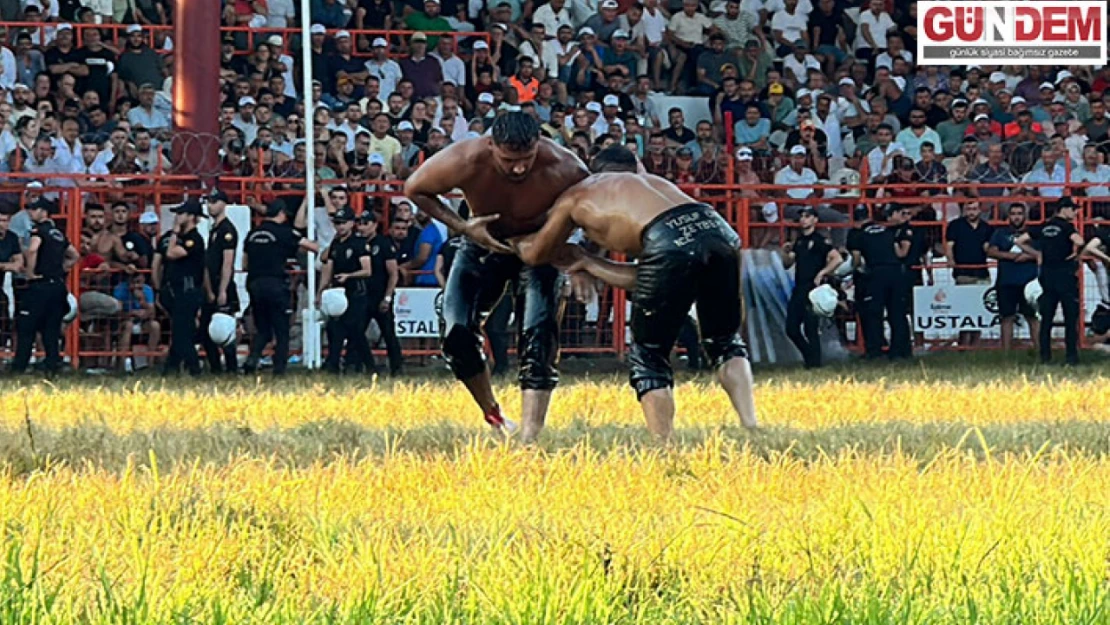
point(816, 259)
point(221, 292)
point(347, 264)
point(1060, 244)
point(266, 253)
point(883, 249)
point(49, 256)
point(184, 280)
point(11, 260)
point(383, 280)
point(860, 278)
point(915, 260)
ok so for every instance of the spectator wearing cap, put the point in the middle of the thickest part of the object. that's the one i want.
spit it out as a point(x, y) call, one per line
point(604, 23)
point(688, 30)
point(138, 63)
point(873, 26)
point(244, 118)
point(63, 57)
point(552, 16)
point(386, 70)
point(778, 108)
point(985, 129)
point(1048, 171)
point(798, 178)
point(799, 62)
point(424, 71)
point(610, 116)
point(429, 20)
point(503, 53)
point(788, 25)
point(711, 65)
point(343, 64)
point(619, 58)
point(918, 132)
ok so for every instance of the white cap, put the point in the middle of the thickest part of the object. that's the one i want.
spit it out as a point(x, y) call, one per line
point(380, 42)
point(247, 101)
point(619, 34)
point(134, 28)
point(586, 30)
point(342, 35)
point(405, 125)
point(275, 40)
point(486, 97)
point(499, 25)
point(17, 86)
point(1017, 100)
point(998, 77)
point(802, 93)
point(770, 212)
point(798, 150)
point(437, 129)
point(979, 101)
point(473, 135)
point(847, 82)
point(376, 159)
point(481, 45)
point(611, 100)
point(593, 107)
point(901, 82)
point(744, 154)
point(34, 184)
point(317, 29)
point(1062, 76)
point(609, 4)
point(982, 116)
point(148, 218)
point(1048, 85)
point(62, 27)
point(258, 21)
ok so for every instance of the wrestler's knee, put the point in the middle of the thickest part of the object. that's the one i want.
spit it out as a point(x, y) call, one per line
point(650, 369)
point(724, 348)
point(539, 351)
point(462, 349)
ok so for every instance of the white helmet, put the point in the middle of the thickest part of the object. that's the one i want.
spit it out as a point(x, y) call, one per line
point(71, 314)
point(824, 300)
point(333, 302)
point(222, 329)
point(1033, 292)
point(844, 269)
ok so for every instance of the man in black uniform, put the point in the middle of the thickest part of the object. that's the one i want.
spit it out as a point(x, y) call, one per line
point(49, 257)
point(11, 259)
point(347, 265)
point(266, 251)
point(915, 260)
point(860, 279)
point(882, 249)
point(221, 292)
point(184, 281)
point(816, 259)
point(1060, 244)
point(383, 280)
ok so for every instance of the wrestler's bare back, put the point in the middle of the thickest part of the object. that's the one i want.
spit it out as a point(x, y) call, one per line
point(614, 208)
point(522, 205)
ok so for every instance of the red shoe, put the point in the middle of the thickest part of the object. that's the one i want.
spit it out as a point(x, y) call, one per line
point(498, 422)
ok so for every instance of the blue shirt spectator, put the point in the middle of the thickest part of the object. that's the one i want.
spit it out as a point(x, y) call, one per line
point(430, 235)
point(126, 297)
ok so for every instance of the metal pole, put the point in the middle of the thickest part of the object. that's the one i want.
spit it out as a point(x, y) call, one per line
point(310, 333)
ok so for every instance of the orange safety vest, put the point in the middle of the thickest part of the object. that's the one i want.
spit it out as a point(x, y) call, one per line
point(525, 92)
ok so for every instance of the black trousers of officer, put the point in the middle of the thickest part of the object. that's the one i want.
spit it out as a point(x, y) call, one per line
point(1061, 288)
point(184, 303)
point(887, 294)
point(217, 355)
point(388, 327)
point(802, 326)
point(350, 330)
point(270, 308)
point(41, 308)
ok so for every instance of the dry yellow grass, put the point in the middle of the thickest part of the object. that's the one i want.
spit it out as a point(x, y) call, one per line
point(717, 531)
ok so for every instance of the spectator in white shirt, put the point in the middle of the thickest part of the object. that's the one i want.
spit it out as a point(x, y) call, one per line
point(1093, 172)
point(387, 71)
point(871, 32)
point(917, 133)
point(67, 148)
point(277, 52)
point(796, 176)
point(8, 72)
point(280, 13)
point(880, 160)
point(244, 121)
point(688, 30)
point(146, 115)
point(788, 26)
point(89, 163)
point(800, 62)
point(453, 67)
point(610, 110)
point(895, 49)
point(553, 15)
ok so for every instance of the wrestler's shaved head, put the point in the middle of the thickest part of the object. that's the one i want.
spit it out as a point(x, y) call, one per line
point(614, 159)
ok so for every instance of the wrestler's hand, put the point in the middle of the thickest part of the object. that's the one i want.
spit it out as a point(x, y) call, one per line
point(582, 284)
point(477, 230)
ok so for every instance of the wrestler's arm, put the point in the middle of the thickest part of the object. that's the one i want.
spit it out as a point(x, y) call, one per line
point(620, 275)
point(443, 173)
point(549, 244)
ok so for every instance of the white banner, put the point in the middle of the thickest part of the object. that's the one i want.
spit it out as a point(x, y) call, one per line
point(416, 312)
point(949, 310)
